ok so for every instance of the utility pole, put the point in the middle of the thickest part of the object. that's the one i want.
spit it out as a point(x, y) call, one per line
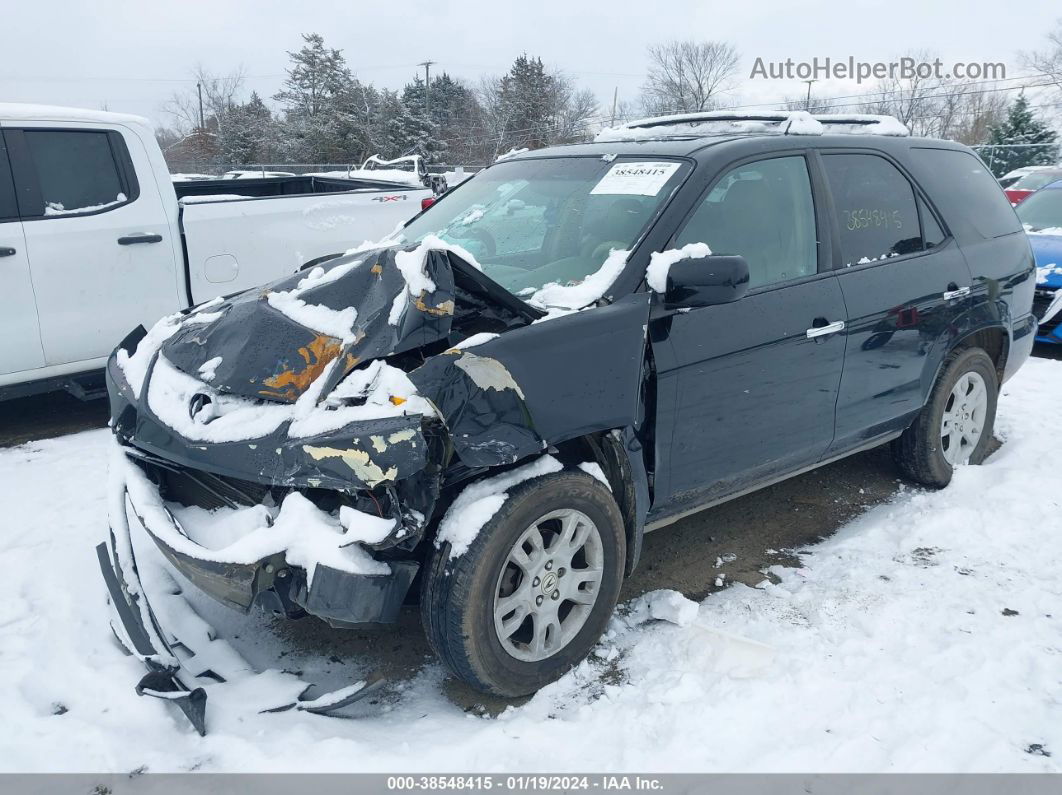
point(807, 102)
point(427, 86)
point(615, 96)
point(199, 88)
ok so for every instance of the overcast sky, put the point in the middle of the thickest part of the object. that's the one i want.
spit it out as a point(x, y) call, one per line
point(130, 56)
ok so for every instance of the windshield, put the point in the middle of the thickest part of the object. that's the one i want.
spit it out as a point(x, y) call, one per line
point(530, 223)
point(1042, 210)
point(1037, 180)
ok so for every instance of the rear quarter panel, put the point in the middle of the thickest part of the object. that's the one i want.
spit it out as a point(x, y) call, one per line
point(1000, 259)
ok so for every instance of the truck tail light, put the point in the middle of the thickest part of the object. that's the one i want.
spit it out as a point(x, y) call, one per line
point(426, 203)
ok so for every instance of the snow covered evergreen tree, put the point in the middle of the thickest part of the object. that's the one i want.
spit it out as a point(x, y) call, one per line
point(525, 93)
point(530, 107)
point(248, 135)
point(1037, 142)
point(317, 75)
point(324, 120)
point(456, 114)
point(325, 115)
point(406, 130)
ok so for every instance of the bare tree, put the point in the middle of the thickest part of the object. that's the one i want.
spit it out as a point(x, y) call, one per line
point(627, 110)
point(962, 110)
point(688, 76)
point(969, 111)
point(496, 116)
point(1048, 62)
point(220, 94)
point(911, 100)
point(574, 109)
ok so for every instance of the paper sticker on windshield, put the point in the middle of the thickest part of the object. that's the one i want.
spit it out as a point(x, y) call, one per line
point(637, 179)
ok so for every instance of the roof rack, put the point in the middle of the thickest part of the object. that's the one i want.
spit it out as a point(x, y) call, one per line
point(724, 122)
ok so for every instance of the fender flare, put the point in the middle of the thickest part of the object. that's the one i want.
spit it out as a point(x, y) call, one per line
point(963, 338)
point(620, 454)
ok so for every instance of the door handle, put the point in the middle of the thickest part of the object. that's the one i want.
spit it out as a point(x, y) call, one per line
point(954, 292)
point(822, 331)
point(132, 240)
point(6, 252)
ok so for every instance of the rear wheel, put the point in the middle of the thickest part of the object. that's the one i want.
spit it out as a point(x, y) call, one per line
point(535, 589)
point(955, 426)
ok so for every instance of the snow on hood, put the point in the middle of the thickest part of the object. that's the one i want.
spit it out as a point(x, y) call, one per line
point(274, 342)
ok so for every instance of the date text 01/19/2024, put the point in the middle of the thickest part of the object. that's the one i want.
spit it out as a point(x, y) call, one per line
point(537, 783)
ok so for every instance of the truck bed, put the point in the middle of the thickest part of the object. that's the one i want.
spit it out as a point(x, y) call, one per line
point(279, 186)
point(239, 233)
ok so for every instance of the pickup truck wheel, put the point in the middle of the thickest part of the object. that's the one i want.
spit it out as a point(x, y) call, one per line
point(955, 426)
point(534, 591)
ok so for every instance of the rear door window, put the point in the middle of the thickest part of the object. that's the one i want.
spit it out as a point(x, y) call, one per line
point(8, 207)
point(763, 211)
point(875, 206)
point(77, 171)
point(967, 194)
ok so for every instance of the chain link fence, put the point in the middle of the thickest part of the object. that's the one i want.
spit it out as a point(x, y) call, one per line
point(1002, 158)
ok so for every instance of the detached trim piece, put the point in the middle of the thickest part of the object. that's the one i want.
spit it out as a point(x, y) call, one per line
point(161, 679)
point(140, 633)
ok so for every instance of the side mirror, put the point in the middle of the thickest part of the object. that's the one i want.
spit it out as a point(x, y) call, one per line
point(706, 281)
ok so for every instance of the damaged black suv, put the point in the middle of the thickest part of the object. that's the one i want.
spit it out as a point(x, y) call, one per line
point(486, 412)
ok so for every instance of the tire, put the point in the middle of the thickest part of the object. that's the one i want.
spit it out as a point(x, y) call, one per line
point(922, 453)
point(458, 599)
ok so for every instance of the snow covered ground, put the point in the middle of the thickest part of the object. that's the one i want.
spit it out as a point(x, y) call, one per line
point(926, 635)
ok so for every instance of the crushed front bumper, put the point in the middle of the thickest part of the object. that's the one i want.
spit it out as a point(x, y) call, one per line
point(339, 597)
point(336, 596)
point(139, 632)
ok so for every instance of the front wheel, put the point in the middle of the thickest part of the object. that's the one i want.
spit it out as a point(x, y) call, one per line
point(955, 426)
point(534, 591)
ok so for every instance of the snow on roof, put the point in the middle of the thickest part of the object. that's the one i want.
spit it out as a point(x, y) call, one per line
point(17, 111)
point(1021, 172)
point(511, 153)
point(724, 122)
point(393, 175)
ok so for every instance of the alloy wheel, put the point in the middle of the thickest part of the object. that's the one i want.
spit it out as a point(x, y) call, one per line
point(548, 585)
point(964, 417)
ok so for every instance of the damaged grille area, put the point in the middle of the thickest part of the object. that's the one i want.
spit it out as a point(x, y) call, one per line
point(294, 552)
point(197, 489)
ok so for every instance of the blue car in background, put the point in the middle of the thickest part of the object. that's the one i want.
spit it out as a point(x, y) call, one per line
point(1041, 214)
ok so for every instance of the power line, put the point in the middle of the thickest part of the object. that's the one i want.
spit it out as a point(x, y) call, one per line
point(955, 90)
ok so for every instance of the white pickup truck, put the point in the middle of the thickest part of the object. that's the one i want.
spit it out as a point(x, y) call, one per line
point(95, 238)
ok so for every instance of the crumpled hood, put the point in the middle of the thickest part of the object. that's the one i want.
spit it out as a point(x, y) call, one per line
point(274, 341)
